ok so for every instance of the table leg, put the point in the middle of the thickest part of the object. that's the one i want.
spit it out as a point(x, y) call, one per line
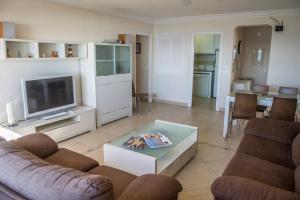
point(226, 116)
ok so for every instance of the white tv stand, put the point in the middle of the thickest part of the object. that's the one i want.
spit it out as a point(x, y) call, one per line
point(79, 120)
point(55, 115)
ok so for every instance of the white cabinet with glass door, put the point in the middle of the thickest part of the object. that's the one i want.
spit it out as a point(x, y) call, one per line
point(205, 44)
point(108, 73)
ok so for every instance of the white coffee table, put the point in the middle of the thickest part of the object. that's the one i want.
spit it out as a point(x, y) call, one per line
point(167, 160)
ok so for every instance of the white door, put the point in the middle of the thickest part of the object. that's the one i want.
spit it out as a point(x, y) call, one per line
point(170, 75)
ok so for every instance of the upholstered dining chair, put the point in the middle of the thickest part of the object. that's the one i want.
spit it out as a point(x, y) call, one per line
point(288, 90)
point(263, 90)
point(284, 109)
point(244, 108)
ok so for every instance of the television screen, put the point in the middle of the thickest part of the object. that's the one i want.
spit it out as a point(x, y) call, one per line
point(48, 94)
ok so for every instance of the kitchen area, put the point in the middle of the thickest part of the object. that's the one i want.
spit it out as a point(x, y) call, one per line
point(206, 65)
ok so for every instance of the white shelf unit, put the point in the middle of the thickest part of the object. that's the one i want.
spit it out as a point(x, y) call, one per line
point(107, 81)
point(19, 49)
point(46, 49)
point(79, 120)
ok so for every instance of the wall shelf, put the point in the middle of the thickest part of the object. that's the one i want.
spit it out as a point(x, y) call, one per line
point(28, 50)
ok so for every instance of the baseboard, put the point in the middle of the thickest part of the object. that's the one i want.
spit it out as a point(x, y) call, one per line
point(176, 103)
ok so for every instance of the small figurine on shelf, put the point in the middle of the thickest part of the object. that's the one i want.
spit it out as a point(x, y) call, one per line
point(7, 53)
point(70, 51)
point(44, 55)
point(19, 54)
point(54, 54)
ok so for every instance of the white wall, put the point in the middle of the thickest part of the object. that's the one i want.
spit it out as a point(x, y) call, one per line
point(284, 64)
point(284, 56)
point(13, 71)
point(41, 20)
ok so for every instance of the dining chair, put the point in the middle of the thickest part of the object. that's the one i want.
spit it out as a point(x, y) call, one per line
point(288, 90)
point(263, 90)
point(244, 108)
point(284, 109)
point(138, 97)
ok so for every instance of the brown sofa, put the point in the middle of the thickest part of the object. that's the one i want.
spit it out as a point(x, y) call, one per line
point(33, 167)
point(266, 165)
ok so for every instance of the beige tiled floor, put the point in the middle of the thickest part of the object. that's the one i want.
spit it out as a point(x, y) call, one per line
point(213, 152)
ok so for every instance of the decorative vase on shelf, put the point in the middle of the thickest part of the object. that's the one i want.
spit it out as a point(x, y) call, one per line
point(10, 113)
point(70, 51)
point(7, 53)
point(54, 54)
point(19, 54)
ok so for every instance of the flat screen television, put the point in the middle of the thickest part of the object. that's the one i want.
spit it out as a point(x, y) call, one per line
point(48, 94)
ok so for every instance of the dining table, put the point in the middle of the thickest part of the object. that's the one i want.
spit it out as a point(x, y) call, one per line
point(262, 99)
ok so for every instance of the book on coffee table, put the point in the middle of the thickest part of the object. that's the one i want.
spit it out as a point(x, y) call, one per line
point(135, 143)
point(156, 139)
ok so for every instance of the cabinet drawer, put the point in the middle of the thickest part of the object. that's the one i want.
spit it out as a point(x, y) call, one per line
point(111, 116)
point(114, 96)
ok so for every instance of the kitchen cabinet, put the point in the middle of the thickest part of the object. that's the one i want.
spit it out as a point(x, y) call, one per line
point(205, 44)
point(202, 84)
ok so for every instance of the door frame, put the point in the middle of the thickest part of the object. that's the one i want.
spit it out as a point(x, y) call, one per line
point(150, 61)
point(219, 68)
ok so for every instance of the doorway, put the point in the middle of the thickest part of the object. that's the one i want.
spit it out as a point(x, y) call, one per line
point(206, 65)
point(142, 64)
point(251, 56)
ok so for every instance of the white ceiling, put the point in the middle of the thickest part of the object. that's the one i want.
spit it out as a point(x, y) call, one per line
point(150, 10)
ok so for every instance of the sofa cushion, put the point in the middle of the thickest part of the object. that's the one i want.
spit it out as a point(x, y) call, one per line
point(277, 130)
point(37, 179)
point(297, 179)
point(296, 150)
point(250, 167)
point(8, 194)
point(40, 144)
point(165, 187)
point(275, 152)
point(67, 158)
point(238, 188)
point(119, 179)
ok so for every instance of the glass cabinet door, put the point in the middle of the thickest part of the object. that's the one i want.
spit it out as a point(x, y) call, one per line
point(123, 59)
point(105, 65)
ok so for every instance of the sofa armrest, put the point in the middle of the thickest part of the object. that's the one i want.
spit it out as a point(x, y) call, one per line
point(238, 188)
point(150, 186)
point(38, 144)
point(276, 130)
